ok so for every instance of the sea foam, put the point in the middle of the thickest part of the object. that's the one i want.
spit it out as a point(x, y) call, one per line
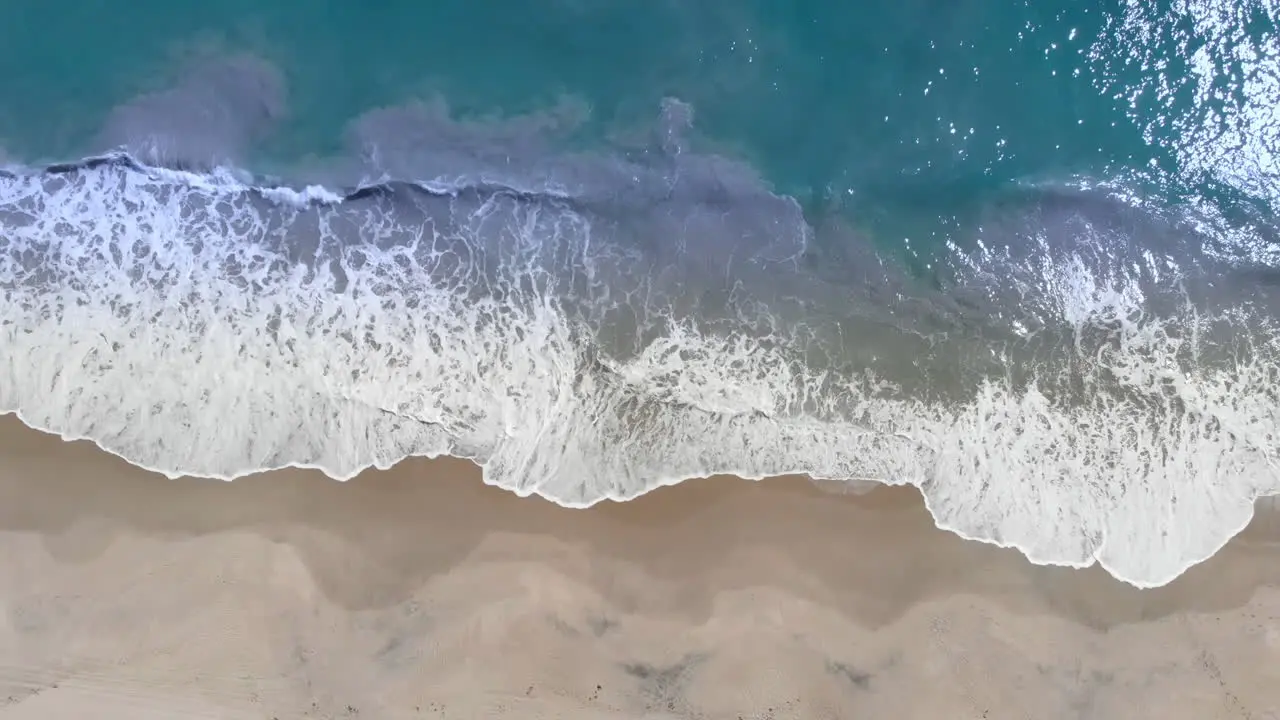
point(197, 326)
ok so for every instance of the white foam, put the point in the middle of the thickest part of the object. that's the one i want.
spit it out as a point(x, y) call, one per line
point(122, 323)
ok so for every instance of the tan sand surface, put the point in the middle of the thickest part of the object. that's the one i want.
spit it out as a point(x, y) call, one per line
point(421, 593)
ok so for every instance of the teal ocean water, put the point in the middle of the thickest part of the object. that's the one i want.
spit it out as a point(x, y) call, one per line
point(1021, 255)
point(892, 103)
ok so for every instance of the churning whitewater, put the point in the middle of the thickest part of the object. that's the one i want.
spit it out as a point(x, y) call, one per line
point(1085, 378)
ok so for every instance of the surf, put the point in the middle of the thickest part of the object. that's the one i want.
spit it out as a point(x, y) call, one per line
point(616, 323)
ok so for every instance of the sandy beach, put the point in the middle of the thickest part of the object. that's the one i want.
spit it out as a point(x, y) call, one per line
point(422, 593)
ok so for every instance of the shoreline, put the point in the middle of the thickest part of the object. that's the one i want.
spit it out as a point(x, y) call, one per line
point(1065, 494)
point(1268, 507)
point(422, 592)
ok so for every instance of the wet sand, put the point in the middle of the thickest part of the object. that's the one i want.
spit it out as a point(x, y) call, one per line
point(419, 592)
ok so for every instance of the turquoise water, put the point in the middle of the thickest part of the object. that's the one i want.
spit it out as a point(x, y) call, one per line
point(1022, 255)
point(905, 102)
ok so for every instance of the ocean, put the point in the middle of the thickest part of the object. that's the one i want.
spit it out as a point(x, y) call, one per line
point(1022, 255)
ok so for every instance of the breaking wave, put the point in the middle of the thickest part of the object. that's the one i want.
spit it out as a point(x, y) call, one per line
point(1083, 378)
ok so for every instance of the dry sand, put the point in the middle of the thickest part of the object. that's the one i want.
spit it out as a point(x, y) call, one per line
point(421, 593)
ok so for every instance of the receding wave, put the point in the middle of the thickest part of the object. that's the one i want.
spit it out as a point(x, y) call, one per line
point(1083, 379)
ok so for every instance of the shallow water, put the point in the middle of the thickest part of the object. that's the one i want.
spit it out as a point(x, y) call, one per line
point(1006, 257)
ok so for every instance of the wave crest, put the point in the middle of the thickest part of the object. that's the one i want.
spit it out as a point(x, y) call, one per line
point(585, 347)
